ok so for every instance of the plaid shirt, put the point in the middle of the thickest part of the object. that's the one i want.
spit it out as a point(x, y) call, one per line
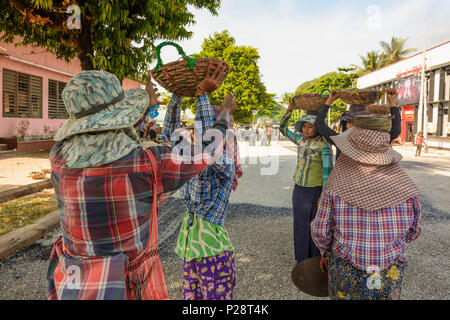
point(365, 238)
point(207, 194)
point(105, 213)
point(314, 157)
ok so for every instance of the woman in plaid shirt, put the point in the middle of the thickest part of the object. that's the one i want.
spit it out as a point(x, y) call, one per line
point(369, 210)
point(203, 243)
point(313, 168)
point(109, 188)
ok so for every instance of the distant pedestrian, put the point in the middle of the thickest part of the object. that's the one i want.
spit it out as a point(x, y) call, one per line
point(420, 141)
point(263, 136)
point(368, 211)
point(311, 173)
point(269, 135)
point(252, 136)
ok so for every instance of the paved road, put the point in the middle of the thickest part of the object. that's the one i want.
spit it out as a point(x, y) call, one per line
point(260, 225)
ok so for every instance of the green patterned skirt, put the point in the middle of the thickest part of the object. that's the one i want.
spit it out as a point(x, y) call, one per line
point(201, 239)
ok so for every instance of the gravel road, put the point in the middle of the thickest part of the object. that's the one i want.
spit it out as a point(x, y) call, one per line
point(260, 225)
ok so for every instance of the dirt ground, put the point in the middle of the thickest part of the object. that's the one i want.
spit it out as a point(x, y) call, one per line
point(15, 168)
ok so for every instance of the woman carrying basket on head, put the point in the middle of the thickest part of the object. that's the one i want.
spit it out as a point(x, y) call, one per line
point(348, 118)
point(311, 173)
point(369, 210)
point(109, 189)
point(203, 243)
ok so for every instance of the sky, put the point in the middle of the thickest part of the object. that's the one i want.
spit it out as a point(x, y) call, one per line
point(299, 40)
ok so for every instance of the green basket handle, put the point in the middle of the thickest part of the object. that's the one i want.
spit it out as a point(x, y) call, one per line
point(190, 61)
point(324, 90)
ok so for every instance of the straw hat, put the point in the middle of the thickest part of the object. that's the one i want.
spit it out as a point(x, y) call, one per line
point(96, 102)
point(368, 141)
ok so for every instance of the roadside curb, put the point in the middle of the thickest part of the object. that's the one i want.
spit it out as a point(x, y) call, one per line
point(26, 236)
point(14, 193)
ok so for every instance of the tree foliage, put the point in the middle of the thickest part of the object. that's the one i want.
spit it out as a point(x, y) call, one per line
point(243, 80)
point(395, 50)
point(371, 61)
point(117, 36)
point(345, 77)
point(341, 80)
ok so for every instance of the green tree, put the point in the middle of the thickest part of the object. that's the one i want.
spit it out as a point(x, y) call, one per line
point(117, 36)
point(286, 97)
point(371, 61)
point(274, 112)
point(341, 80)
point(394, 50)
point(243, 79)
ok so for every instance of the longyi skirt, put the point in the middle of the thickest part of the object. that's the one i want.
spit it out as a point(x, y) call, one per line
point(345, 282)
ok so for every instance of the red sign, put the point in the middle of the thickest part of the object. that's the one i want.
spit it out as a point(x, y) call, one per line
point(408, 90)
point(415, 69)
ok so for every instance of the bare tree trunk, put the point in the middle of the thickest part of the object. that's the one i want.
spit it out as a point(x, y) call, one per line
point(86, 52)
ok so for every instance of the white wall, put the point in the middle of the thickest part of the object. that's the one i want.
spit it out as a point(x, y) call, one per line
point(436, 56)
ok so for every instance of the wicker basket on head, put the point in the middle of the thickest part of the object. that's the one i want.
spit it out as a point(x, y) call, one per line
point(360, 97)
point(309, 102)
point(185, 74)
point(379, 110)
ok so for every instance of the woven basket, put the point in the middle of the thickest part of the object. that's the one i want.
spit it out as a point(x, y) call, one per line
point(377, 109)
point(309, 102)
point(185, 74)
point(360, 97)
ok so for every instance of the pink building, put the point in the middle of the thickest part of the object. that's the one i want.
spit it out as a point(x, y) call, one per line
point(31, 82)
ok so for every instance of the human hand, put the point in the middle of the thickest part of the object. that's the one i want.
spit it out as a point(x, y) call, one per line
point(323, 264)
point(153, 94)
point(212, 82)
point(391, 95)
point(334, 95)
point(291, 106)
point(229, 104)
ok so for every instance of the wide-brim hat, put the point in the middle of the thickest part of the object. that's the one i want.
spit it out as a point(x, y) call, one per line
point(96, 102)
point(308, 277)
point(367, 146)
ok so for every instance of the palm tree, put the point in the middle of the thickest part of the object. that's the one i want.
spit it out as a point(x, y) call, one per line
point(371, 61)
point(395, 50)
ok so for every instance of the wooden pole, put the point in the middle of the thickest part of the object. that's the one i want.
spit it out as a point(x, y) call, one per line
point(422, 88)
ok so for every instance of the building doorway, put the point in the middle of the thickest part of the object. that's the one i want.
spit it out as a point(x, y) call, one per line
point(409, 131)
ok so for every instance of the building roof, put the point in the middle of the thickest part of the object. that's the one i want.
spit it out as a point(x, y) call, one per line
point(437, 56)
